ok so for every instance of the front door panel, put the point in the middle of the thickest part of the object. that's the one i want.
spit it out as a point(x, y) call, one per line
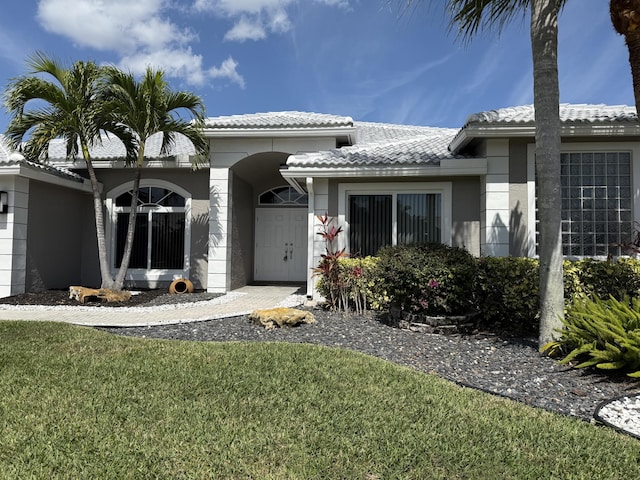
point(281, 245)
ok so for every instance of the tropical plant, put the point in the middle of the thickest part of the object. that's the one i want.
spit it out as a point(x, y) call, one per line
point(52, 101)
point(625, 17)
point(601, 334)
point(469, 16)
point(329, 267)
point(148, 107)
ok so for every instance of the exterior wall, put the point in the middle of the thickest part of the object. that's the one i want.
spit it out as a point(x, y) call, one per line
point(318, 206)
point(220, 228)
point(54, 237)
point(13, 236)
point(519, 241)
point(231, 169)
point(494, 198)
point(465, 228)
point(196, 183)
point(465, 217)
point(243, 233)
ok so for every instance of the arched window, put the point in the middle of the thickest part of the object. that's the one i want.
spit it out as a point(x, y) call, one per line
point(286, 196)
point(161, 228)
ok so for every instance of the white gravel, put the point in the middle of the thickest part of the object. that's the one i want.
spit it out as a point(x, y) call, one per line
point(622, 413)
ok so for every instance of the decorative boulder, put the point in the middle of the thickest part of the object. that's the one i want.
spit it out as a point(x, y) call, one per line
point(81, 294)
point(281, 317)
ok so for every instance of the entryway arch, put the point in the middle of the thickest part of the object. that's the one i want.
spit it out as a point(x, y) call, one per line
point(280, 253)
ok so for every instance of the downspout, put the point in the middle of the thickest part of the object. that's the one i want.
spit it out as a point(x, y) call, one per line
point(310, 237)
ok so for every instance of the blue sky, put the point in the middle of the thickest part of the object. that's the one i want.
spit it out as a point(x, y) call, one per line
point(348, 57)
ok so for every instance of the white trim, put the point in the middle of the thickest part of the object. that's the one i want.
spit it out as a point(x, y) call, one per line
point(447, 167)
point(632, 147)
point(311, 216)
point(567, 130)
point(151, 275)
point(443, 188)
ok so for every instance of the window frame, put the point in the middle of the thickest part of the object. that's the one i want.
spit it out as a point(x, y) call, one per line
point(632, 148)
point(345, 190)
point(151, 275)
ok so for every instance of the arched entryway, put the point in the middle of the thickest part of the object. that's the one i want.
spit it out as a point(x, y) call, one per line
point(280, 253)
point(269, 236)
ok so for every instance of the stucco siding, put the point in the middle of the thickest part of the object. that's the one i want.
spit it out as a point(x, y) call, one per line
point(465, 229)
point(197, 184)
point(518, 198)
point(54, 237)
point(243, 233)
point(465, 215)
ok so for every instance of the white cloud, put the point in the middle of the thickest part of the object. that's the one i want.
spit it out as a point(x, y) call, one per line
point(183, 64)
point(227, 70)
point(254, 17)
point(144, 32)
point(246, 29)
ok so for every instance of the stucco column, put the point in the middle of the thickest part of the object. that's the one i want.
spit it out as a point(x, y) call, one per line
point(13, 237)
point(219, 258)
point(494, 216)
point(318, 206)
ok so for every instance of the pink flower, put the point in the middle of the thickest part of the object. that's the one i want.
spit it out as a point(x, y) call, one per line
point(357, 271)
point(433, 283)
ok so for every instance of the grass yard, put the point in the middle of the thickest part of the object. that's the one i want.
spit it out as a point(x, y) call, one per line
point(78, 403)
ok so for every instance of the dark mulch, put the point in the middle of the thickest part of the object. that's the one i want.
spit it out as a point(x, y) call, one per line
point(140, 298)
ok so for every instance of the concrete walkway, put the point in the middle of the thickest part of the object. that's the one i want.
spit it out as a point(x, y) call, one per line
point(238, 302)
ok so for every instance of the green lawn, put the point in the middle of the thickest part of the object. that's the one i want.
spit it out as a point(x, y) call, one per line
point(78, 403)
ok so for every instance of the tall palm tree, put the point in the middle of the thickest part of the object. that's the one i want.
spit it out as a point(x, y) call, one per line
point(625, 17)
point(469, 16)
point(146, 108)
point(52, 101)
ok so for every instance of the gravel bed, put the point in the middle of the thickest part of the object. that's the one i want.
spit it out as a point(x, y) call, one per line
point(509, 367)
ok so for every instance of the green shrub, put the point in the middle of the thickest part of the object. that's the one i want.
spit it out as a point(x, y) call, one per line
point(601, 333)
point(431, 279)
point(603, 279)
point(507, 293)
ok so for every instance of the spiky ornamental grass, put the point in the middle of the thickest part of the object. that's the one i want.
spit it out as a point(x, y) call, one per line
point(601, 333)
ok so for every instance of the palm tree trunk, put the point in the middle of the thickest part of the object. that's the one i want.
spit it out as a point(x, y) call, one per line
point(105, 270)
point(632, 39)
point(546, 94)
point(131, 230)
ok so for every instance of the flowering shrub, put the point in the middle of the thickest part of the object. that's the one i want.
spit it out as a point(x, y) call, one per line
point(430, 279)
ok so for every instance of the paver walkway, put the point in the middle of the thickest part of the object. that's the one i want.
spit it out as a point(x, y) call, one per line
point(238, 302)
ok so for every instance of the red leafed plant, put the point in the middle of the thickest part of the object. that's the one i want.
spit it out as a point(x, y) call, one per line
point(328, 267)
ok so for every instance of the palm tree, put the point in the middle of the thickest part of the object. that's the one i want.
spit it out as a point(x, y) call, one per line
point(625, 17)
point(51, 102)
point(146, 108)
point(469, 16)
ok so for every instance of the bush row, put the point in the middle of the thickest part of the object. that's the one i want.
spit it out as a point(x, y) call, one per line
point(436, 279)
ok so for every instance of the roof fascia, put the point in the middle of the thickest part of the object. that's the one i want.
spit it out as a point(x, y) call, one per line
point(49, 178)
point(280, 132)
point(469, 133)
point(447, 167)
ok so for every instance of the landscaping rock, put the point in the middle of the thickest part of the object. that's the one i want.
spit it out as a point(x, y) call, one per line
point(281, 317)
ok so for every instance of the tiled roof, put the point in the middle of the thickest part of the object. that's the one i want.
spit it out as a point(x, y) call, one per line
point(569, 113)
point(10, 158)
point(281, 120)
point(382, 144)
point(112, 148)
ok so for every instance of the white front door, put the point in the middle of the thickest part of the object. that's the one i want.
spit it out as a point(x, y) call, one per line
point(281, 245)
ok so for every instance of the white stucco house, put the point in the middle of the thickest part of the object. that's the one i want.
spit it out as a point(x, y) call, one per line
point(250, 215)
